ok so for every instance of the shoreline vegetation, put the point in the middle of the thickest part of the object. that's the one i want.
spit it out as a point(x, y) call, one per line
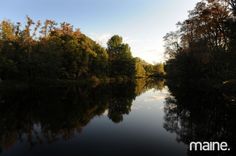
point(55, 80)
point(202, 52)
point(59, 52)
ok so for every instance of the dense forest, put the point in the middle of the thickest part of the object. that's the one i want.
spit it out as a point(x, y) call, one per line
point(41, 61)
point(59, 52)
point(203, 50)
point(201, 75)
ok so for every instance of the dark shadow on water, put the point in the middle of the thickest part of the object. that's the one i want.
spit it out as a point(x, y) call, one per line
point(46, 113)
point(60, 111)
point(198, 112)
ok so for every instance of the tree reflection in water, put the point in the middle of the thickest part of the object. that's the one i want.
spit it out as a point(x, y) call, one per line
point(200, 113)
point(45, 113)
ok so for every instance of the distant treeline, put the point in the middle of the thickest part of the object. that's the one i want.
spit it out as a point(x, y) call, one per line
point(203, 49)
point(52, 51)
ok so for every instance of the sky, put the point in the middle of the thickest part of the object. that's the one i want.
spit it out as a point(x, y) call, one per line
point(141, 23)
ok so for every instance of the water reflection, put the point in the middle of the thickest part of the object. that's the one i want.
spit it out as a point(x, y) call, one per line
point(43, 113)
point(200, 113)
point(115, 119)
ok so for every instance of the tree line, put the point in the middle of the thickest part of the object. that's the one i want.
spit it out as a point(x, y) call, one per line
point(203, 49)
point(201, 74)
point(58, 51)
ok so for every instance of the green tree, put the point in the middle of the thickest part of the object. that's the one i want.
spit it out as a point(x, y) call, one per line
point(120, 58)
point(58, 51)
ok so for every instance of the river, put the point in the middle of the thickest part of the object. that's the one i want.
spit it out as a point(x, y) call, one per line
point(118, 119)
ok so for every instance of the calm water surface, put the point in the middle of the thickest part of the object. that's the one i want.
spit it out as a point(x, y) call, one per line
point(122, 119)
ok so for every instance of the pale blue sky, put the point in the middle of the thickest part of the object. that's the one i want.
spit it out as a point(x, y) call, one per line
point(142, 23)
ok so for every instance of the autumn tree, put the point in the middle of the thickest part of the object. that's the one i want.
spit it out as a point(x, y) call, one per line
point(203, 47)
point(61, 52)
